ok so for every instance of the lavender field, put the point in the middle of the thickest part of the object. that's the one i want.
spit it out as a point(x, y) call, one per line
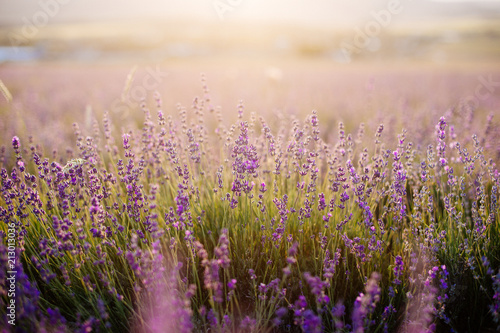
point(376, 213)
point(232, 166)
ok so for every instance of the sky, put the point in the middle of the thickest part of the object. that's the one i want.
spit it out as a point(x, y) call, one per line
point(317, 12)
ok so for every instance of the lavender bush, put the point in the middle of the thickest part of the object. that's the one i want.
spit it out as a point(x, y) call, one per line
point(189, 224)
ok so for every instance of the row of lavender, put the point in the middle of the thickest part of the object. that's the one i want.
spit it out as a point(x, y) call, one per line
point(187, 225)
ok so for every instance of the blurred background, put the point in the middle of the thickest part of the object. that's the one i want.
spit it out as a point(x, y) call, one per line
point(334, 30)
point(66, 61)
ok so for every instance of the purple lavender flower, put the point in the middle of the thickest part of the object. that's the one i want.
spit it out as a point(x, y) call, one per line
point(317, 288)
point(338, 311)
point(245, 165)
point(495, 306)
point(440, 133)
point(16, 144)
point(232, 284)
point(248, 324)
point(311, 323)
point(398, 270)
point(365, 304)
point(126, 141)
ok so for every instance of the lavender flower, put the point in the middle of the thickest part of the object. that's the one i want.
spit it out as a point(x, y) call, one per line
point(398, 270)
point(365, 304)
